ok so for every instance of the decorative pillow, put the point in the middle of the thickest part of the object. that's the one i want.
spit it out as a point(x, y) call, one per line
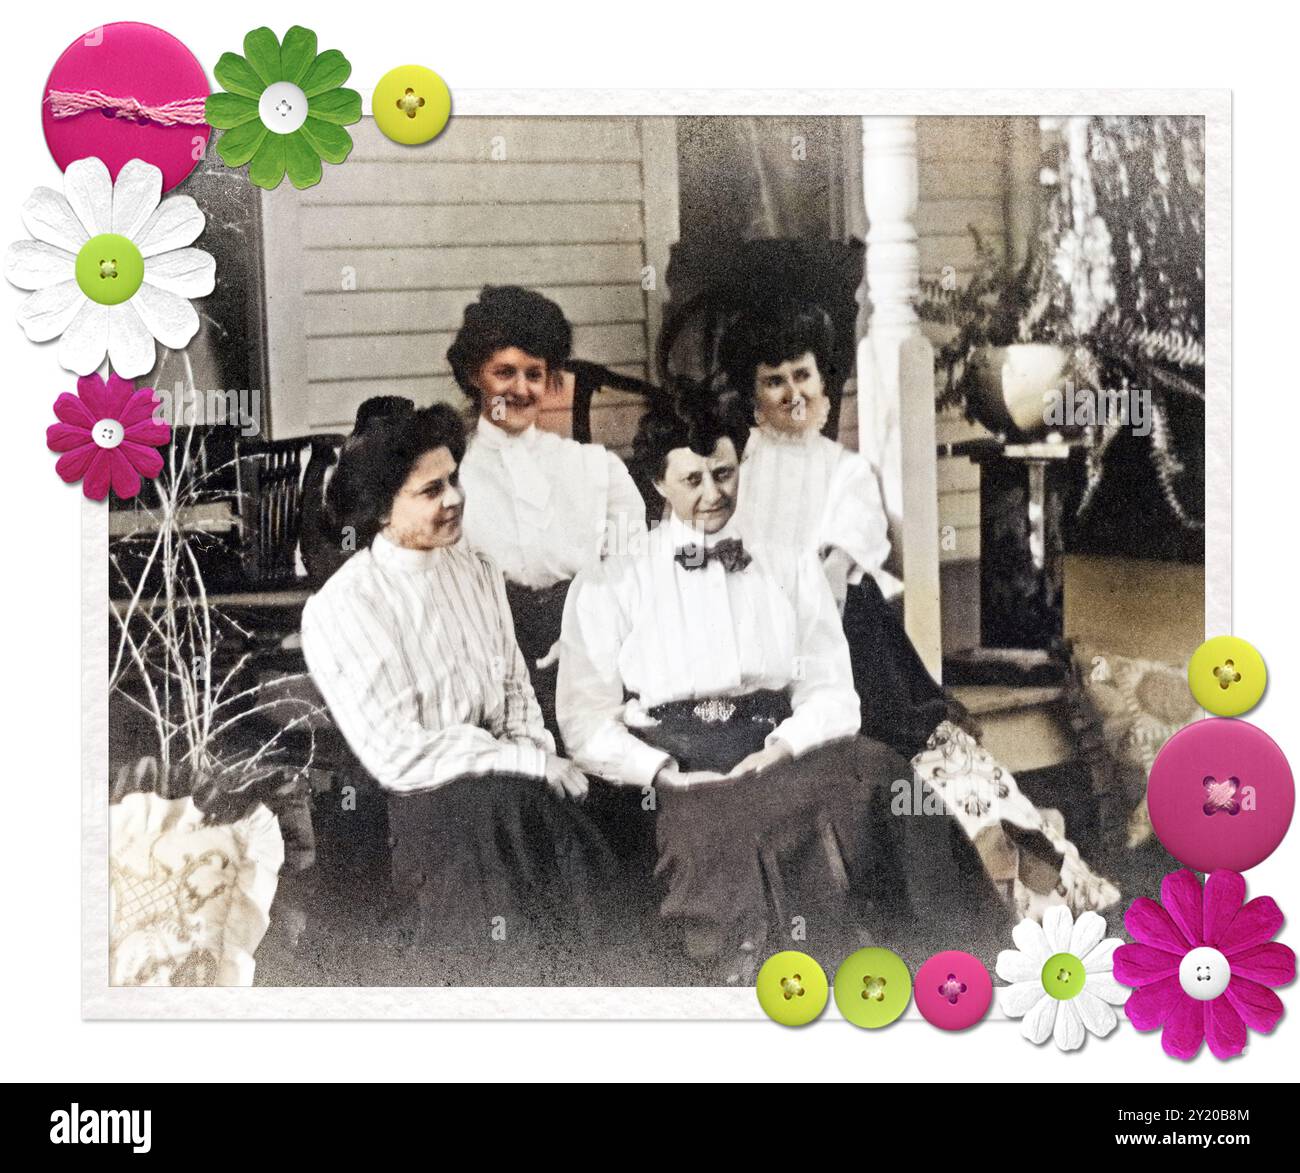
point(189, 902)
point(1142, 703)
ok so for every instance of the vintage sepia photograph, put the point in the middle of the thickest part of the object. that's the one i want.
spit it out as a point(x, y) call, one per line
point(607, 550)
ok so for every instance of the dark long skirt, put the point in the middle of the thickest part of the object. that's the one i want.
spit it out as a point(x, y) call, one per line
point(537, 616)
point(837, 849)
point(902, 705)
point(901, 702)
point(505, 882)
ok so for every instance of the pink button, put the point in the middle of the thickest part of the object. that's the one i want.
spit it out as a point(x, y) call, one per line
point(953, 990)
point(127, 91)
point(1221, 795)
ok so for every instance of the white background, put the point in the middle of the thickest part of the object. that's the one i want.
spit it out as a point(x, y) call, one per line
point(552, 45)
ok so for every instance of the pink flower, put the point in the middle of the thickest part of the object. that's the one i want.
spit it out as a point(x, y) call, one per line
point(108, 436)
point(1203, 964)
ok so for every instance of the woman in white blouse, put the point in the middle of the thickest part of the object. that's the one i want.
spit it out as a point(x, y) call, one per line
point(542, 506)
point(694, 675)
point(804, 494)
point(802, 490)
point(411, 645)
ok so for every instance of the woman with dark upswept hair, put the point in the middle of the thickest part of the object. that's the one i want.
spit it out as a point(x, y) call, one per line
point(803, 493)
point(323, 544)
point(697, 672)
point(542, 506)
point(410, 643)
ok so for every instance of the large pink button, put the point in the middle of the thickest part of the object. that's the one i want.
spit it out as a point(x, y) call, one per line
point(139, 92)
point(953, 990)
point(1221, 795)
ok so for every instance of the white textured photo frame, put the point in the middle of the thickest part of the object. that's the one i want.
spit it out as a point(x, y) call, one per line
point(102, 1001)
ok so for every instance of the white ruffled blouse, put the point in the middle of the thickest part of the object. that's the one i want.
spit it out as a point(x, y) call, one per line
point(809, 493)
point(543, 507)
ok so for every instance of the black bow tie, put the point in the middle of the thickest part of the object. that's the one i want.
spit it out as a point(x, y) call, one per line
point(730, 552)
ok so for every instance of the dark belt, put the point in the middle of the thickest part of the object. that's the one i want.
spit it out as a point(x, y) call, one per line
point(714, 733)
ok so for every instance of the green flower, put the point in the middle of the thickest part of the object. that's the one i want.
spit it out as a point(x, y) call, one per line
point(294, 126)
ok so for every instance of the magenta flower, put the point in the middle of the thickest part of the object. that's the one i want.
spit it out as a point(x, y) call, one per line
point(1203, 964)
point(108, 436)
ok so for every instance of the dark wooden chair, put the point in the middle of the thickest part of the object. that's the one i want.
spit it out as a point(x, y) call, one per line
point(278, 484)
point(590, 379)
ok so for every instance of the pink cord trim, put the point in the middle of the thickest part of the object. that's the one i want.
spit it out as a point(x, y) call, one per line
point(183, 112)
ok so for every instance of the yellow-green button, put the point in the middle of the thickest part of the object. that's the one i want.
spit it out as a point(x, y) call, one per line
point(1063, 976)
point(411, 104)
point(1227, 676)
point(872, 987)
point(109, 269)
point(792, 988)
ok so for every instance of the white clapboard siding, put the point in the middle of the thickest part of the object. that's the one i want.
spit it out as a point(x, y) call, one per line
point(945, 137)
point(369, 272)
point(374, 311)
point(963, 170)
point(402, 266)
point(962, 175)
point(963, 178)
point(406, 182)
point(959, 487)
point(522, 140)
point(358, 226)
point(393, 355)
point(943, 218)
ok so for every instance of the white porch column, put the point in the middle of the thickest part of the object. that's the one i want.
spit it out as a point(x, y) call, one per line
point(896, 374)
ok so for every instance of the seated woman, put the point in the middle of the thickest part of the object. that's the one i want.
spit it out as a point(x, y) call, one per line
point(806, 491)
point(411, 645)
point(804, 494)
point(323, 549)
point(541, 506)
point(692, 673)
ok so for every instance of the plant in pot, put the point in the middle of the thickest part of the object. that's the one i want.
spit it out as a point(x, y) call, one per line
point(203, 752)
point(1013, 344)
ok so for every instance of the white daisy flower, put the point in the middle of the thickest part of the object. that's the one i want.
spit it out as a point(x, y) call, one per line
point(110, 267)
point(1061, 980)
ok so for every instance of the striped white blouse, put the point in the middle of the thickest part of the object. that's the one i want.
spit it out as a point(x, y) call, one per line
point(415, 654)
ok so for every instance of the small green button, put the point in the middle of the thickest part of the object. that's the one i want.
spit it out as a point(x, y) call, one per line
point(792, 988)
point(1063, 976)
point(872, 987)
point(109, 269)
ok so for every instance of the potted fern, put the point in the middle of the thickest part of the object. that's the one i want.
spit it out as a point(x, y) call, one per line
point(1011, 344)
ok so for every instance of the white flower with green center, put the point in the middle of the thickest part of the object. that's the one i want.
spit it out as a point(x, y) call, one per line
point(1061, 980)
point(110, 267)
